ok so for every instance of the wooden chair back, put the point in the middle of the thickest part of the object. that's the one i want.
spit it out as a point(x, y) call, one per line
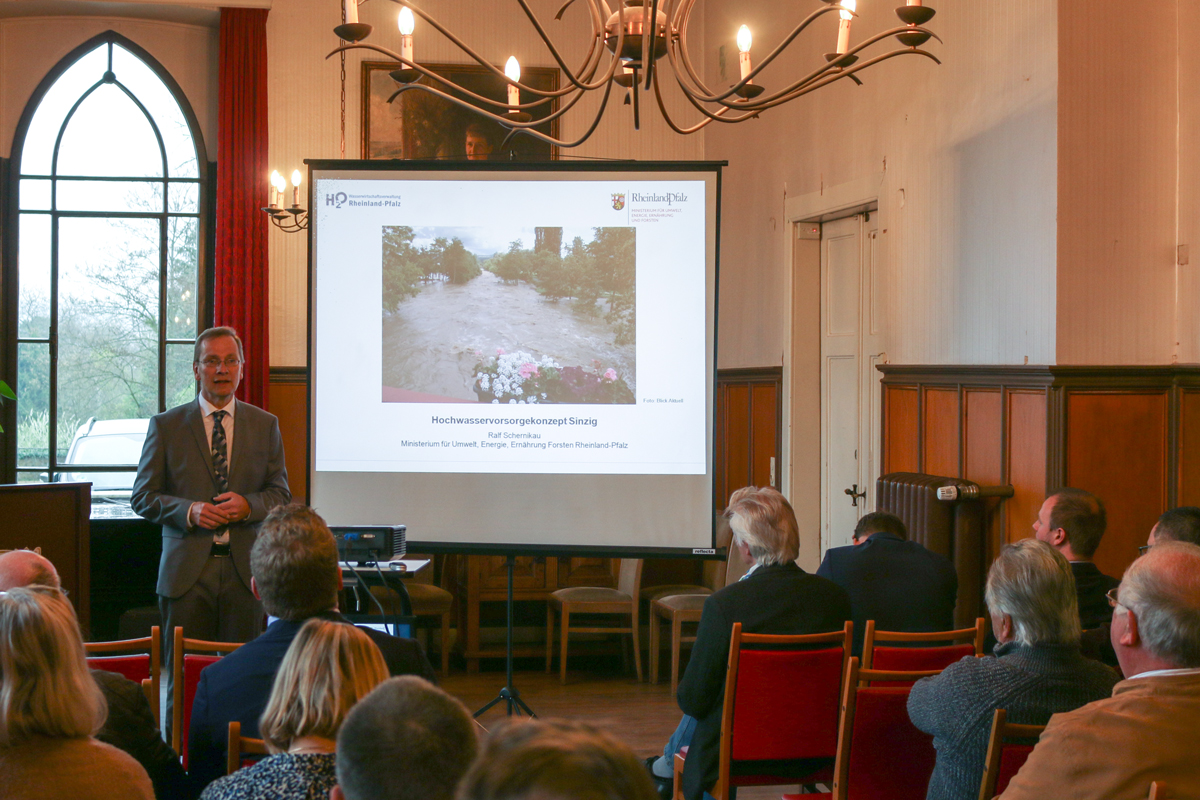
point(761, 700)
point(629, 576)
point(940, 650)
point(134, 665)
point(240, 747)
point(1004, 757)
point(187, 666)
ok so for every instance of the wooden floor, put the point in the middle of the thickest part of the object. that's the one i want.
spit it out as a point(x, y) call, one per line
point(640, 714)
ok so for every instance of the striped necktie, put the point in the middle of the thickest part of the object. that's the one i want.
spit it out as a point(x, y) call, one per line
point(220, 458)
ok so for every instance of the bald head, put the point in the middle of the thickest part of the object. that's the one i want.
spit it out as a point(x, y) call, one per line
point(1162, 590)
point(26, 568)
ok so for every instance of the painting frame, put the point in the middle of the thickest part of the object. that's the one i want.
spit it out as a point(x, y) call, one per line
point(419, 125)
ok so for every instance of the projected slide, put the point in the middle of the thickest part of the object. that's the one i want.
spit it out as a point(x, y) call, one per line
point(488, 324)
point(528, 316)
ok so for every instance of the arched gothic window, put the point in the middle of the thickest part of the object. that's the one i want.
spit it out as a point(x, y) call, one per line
point(111, 221)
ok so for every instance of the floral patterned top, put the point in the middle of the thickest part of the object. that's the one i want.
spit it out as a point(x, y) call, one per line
point(285, 776)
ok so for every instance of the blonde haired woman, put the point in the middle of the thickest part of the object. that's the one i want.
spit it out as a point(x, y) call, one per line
point(329, 667)
point(50, 706)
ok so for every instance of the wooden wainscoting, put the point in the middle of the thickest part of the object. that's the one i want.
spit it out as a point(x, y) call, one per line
point(1131, 435)
point(288, 400)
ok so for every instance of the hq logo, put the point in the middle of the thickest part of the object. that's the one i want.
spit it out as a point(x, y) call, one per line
point(336, 200)
point(618, 201)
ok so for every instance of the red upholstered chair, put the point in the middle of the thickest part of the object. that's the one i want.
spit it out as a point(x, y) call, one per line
point(881, 755)
point(940, 652)
point(141, 661)
point(794, 687)
point(187, 669)
point(1004, 756)
point(240, 747)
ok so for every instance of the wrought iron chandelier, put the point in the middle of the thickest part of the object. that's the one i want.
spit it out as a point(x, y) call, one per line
point(620, 53)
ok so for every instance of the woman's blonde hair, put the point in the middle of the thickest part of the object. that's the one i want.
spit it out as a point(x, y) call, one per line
point(329, 667)
point(46, 688)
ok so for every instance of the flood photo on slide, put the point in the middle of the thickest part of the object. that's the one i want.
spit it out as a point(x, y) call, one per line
point(537, 315)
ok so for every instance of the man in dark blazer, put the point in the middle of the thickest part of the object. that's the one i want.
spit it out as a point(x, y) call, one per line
point(296, 575)
point(897, 583)
point(775, 596)
point(1073, 521)
point(210, 471)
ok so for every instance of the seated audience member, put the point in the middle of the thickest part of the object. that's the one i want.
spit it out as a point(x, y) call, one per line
point(1037, 671)
point(1150, 728)
point(406, 740)
point(775, 596)
point(329, 667)
point(130, 724)
point(898, 583)
point(294, 571)
point(1177, 525)
point(555, 760)
point(50, 706)
point(1072, 521)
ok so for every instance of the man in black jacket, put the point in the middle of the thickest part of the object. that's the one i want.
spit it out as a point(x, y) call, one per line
point(295, 573)
point(1072, 521)
point(897, 583)
point(775, 596)
point(130, 725)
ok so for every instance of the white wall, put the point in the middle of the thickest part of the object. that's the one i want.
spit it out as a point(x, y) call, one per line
point(970, 253)
point(304, 93)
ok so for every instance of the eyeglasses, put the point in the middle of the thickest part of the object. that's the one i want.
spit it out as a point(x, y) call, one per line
point(1143, 549)
point(1111, 596)
point(212, 362)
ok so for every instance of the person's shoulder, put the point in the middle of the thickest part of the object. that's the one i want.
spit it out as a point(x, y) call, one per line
point(178, 413)
point(109, 761)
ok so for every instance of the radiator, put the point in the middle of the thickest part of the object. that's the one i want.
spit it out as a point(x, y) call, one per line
point(956, 527)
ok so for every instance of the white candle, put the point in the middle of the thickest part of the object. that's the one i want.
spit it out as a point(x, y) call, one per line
point(512, 71)
point(843, 42)
point(351, 12)
point(295, 187)
point(743, 42)
point(914, 2)
point(407, 24)
point(274, 180)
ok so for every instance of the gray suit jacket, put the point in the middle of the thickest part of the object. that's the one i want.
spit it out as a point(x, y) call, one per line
point(176, 470)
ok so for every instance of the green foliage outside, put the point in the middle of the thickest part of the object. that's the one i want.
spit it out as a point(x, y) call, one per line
point(406, 268)
point(108, 333)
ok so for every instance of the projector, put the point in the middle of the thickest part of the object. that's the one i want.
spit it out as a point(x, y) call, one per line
point(371, 542)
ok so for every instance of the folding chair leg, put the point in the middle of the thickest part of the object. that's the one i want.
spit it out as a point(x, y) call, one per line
point(549, 634)
point(654, 646)
point(445, 644)
point(563, 635)
point(676, 646)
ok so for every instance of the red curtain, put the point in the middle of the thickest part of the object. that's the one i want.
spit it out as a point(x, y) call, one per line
point(240, 296)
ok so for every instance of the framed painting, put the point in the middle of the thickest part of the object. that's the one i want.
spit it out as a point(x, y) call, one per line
point(420, 125)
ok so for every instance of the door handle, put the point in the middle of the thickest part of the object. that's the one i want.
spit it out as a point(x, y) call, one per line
point(855, 494)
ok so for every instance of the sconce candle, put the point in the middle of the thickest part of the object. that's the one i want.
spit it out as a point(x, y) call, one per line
point(351, 12)
point(295, 187)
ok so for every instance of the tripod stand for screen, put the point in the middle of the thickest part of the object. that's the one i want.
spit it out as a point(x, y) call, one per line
point(509, 694)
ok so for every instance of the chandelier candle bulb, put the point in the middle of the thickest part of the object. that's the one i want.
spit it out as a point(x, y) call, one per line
point(407, 25)
point(295, 187)
point(275, 187)
point(914, 2)
point(512, 71)
point(351, 12)
point(843, 42)
point(743, 42)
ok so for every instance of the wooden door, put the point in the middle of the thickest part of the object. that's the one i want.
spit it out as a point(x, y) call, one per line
point(748, 430)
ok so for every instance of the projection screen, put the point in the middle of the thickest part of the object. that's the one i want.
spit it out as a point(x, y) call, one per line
point(515, 358)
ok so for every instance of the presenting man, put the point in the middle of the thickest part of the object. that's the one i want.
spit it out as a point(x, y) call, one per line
point(775, 596)
point(210, 471)
point(1149, 730)
point(898, 583)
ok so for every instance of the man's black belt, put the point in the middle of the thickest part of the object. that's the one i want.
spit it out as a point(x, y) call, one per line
point(220, 551)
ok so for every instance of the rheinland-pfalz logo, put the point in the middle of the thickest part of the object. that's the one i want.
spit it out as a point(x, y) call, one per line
point(336, 200)
point(618, 199)
point(363, 200)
